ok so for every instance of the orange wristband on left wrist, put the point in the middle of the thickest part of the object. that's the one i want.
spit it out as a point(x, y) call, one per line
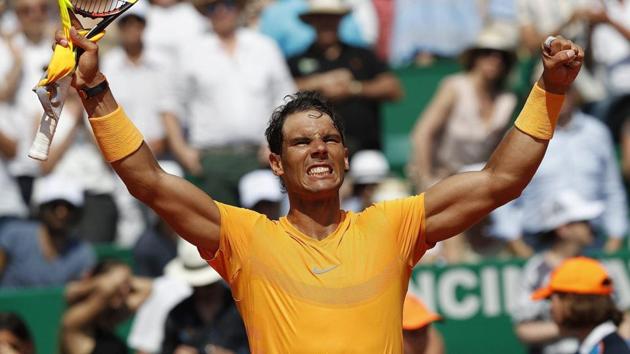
point(540, 113)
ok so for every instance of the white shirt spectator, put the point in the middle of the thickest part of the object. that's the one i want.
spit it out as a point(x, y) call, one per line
point(28, 110)
point(139, 87)
point(611, 50)
point(168, 26)
point(10, 199)
point(229, 97)
point(147, 330)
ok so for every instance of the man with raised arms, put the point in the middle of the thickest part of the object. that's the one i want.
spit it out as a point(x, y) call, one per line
point(322, 279)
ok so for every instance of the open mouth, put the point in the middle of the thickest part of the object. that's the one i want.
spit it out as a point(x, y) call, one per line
point(319, 171)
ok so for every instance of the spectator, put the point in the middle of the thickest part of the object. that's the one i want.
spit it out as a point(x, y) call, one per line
point(155, 248)
point(611, 45)
point(74, 156)
point(228, 104)
point(353, 78)
point(427, 28)
point(15, 338)
point(208, 319)
point(33, 41)
point(280, 20)
point(582, 306)
point(368, 168)
point(47, 252)
point(96, 305)
point(147, 330)
point(10, 70)
point(132, 68)
point(620, 121)
point(260, 190)
point(567, 232)
point(469, 114)
point(570, 18)
point(11, 203)
point(419, 335)
point(157, 245)
point(169, 22)
point(581, 157)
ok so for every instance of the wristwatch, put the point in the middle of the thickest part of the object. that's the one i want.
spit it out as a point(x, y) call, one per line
point(89, 92)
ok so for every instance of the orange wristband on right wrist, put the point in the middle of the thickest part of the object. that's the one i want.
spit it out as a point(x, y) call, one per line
point(540, 113)
point(116, 135)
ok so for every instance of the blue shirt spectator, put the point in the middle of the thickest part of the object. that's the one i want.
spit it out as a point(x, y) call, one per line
point(45, 252)
point(280, 20)
point(442, 27)
point(155, 248)
point(27, 265)
point(580, 156)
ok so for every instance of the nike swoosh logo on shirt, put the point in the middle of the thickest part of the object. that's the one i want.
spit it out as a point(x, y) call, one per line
point(323, 270)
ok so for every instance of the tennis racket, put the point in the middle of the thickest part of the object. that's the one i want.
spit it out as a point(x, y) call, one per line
point(104, 10)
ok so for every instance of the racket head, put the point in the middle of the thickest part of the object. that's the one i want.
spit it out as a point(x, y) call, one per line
point(101, 8)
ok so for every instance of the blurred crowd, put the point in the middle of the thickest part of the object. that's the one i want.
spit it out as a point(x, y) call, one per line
point(201, 78)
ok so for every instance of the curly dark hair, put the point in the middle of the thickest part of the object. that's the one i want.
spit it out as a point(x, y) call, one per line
point(299, 102)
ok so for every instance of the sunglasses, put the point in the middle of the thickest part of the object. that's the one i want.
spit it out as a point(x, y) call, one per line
point(213, 6)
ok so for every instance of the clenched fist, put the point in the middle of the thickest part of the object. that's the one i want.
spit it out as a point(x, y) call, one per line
point(562, 60)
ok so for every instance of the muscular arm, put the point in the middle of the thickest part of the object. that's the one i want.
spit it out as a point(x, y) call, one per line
point(188, 210)
point(458, 202)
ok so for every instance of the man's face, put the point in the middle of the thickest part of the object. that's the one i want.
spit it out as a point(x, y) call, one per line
point(131, 30)
point(313, 160)
point(326, 27)
point(578, 232)
point(33, 15)
point(59, 215)
point(223, 14)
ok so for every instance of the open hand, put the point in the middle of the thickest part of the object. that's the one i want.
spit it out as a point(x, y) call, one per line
point(562, 60)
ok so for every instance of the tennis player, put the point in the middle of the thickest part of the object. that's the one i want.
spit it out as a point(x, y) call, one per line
point(323, 280)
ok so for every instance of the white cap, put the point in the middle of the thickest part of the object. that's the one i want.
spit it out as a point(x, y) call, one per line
point(171, 167)
point(257, 186)
point(368, 166)
point(139, 9)
point(566, 207)
point(390, 189)
point(326, 7)
point(56, 187)
point(190, 267)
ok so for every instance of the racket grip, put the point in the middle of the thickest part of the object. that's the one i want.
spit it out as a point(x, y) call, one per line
point(43, 138)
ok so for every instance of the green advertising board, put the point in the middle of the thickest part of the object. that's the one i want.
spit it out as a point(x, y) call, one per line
point(475, 301)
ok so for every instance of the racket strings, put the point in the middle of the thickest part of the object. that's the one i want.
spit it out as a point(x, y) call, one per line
point(97, 7)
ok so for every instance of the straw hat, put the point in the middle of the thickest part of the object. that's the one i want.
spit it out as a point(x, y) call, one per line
point(190, 267)
point(325, 8)
point(500, 36)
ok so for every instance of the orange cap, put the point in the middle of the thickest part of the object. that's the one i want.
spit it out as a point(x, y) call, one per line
point(416, 315)
point(579, 275)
